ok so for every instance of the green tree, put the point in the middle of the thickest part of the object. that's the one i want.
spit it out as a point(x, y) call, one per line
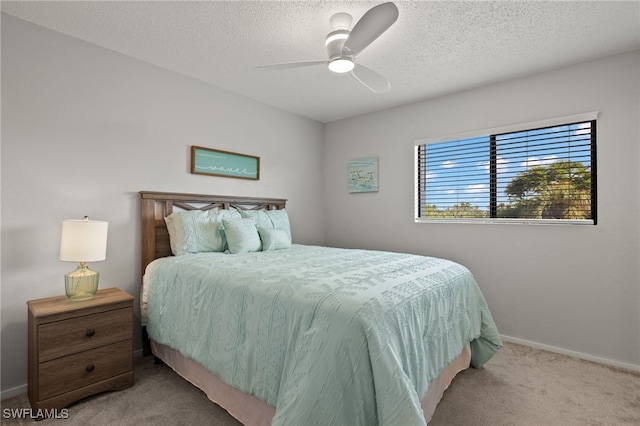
point(431, 210)
point(561, 190)
point(465, 210)
point(459, 210)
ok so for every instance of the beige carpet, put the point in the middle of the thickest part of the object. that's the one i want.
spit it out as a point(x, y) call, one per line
point(519, 386)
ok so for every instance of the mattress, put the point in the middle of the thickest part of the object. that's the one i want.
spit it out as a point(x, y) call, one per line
point(324, 335)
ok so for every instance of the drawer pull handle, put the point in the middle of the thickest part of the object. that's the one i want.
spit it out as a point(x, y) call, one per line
point(90, 332)
point(90, 368)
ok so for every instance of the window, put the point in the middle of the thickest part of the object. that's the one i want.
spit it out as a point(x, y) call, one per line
point(545, 173)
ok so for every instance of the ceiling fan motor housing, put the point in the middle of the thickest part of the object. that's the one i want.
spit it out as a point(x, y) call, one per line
point(334, 43)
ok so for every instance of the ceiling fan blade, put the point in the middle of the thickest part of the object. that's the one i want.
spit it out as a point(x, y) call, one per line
point(372, 24)
point(288, 65)
point(370, 79)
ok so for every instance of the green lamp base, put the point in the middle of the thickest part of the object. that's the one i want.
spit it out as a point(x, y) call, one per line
point(82, 283)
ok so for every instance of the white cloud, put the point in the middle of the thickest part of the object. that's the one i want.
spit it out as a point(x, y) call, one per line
point(449, 164)
point(474, 189)
point(430, 175)
point(584, 129)
point(535, 161)
point(502, 165)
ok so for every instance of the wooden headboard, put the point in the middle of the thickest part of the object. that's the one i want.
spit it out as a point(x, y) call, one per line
point(155, 206)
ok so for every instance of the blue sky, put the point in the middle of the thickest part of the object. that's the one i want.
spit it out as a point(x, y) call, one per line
point(464, 175)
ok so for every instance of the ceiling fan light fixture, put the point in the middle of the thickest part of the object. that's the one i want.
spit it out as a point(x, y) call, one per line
point(341, 65)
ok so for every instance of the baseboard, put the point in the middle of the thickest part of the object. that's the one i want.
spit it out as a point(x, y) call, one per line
point(19, 390)
point(587, 357)
point(10, 393)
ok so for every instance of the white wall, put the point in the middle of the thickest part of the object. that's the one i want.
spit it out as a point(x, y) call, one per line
point(84, 129)
point(573, 288)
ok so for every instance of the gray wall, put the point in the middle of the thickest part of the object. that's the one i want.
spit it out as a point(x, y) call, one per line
point(575, 289)
point(84, 129)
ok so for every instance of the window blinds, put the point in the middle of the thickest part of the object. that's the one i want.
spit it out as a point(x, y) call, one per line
point(545, 173)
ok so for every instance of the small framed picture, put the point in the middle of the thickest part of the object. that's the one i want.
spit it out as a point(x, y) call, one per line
point(363, 175)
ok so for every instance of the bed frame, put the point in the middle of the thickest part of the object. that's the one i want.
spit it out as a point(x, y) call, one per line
point(155, 206)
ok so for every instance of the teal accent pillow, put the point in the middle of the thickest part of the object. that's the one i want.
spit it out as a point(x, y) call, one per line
point(196, 231)
point(241, 235)
point(278, 219)
point(274, 239)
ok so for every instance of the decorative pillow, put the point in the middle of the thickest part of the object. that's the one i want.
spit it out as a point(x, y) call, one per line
point(274, 239)
point(278, 219)
point(241, 235)
point(194, 231)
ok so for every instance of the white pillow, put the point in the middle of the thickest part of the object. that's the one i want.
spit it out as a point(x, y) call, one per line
point(241, 235)
point(196, 231)
point(278, 219)
point(274, 239)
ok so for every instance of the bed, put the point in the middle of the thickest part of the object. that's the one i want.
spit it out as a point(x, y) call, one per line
point(289, 334)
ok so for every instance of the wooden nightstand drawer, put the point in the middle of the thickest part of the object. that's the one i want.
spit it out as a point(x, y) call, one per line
point(60, 338)
point(75, 371)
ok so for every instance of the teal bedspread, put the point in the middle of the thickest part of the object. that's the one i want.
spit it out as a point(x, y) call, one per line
point(325, 335)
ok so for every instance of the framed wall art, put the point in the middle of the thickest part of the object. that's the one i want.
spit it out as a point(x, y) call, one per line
point(363, 175)
point(214, 162)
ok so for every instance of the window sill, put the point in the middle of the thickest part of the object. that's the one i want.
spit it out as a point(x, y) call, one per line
point(507, 221)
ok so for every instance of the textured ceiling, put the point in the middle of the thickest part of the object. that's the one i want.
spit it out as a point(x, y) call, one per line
point(434, 48)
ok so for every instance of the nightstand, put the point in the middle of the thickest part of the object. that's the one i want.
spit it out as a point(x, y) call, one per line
point(77, 349)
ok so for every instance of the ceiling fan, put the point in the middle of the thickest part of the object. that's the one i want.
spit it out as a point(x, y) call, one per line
point(343, 45)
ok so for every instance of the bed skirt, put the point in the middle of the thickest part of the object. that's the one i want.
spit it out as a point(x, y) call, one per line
point(251, 411)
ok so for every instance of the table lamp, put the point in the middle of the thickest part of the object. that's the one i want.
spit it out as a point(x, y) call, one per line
point(83, 241)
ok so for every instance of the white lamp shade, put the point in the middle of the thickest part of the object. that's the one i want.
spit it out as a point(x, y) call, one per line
point(83, 240)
